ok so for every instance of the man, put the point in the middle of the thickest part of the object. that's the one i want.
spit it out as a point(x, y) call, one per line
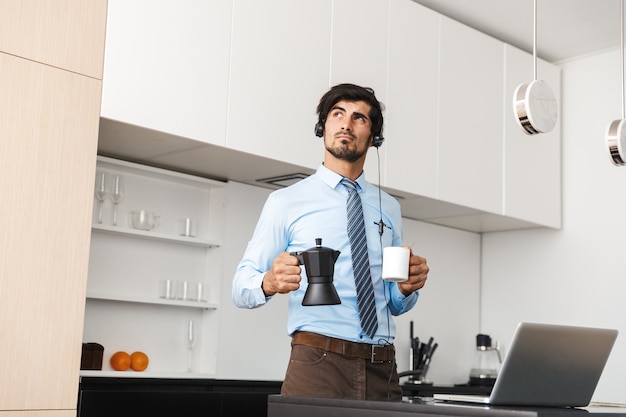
point(333, 353)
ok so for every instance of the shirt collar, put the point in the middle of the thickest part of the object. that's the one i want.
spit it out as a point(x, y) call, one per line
point(332, 179)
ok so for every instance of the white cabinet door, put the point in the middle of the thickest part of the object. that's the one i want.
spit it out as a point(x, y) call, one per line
point(532, 164)
point(279, 70)
point(359, 44)
point(411, 118)
point(359, 56)
point(166, 66)
point(470, 118)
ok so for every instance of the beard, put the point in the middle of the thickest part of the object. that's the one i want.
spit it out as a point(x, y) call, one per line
point(344, 152)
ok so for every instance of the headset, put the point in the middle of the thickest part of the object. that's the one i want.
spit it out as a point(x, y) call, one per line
point(377, 140)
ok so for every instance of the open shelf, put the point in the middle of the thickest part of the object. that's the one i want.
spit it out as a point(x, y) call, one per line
point(128, 266)
point(146, 374)
point(157, 301)
point(142, 234)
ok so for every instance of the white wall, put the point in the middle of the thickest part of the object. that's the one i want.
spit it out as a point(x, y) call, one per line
point(448, 307)
point(253, 344)
point(576, 275)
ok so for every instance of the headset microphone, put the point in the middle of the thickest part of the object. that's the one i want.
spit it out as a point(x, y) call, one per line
point(381, 223)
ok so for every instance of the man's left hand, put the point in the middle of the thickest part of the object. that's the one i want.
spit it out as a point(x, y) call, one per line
point(418, 274)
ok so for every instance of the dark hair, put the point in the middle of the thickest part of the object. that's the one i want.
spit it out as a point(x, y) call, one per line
point(351, 92)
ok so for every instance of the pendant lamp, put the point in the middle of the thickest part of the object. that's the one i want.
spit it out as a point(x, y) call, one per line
point(534, 104)
point(616, 133)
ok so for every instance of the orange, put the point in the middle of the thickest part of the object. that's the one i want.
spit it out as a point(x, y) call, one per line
point(139, 361)
point(120, 361)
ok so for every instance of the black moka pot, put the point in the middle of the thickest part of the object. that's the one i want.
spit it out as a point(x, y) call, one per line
point(320, 267)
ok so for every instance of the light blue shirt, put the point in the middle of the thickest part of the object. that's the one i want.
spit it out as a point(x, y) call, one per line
point(291, 220)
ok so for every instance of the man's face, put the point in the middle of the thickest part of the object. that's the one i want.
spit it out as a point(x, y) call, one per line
point(348, 130)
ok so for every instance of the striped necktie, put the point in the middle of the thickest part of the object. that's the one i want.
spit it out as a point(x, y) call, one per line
point(360, 260)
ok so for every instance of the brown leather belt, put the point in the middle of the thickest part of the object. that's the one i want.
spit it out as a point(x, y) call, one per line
point(375, 353)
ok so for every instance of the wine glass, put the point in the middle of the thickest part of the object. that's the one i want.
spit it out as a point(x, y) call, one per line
point(117, 193)
point(191, 341)
point(102, 189)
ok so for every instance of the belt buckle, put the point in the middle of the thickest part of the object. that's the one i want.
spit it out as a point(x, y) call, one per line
point(372, 358)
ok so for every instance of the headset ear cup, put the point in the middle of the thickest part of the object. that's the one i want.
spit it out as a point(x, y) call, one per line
point(377, 141)
point(319, 129)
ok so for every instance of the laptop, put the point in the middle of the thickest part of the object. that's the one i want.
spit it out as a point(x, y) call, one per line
point(548, 365)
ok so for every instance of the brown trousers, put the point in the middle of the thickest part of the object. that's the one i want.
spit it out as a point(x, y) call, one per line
point(313, 372)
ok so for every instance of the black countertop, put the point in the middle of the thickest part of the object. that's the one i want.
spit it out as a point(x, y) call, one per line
point(279, 406)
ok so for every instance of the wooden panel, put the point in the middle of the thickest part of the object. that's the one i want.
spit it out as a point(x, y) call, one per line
point(48, 138)
point(68, 34)
point(39, 413)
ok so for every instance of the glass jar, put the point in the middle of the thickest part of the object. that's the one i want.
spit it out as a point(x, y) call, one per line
point(486, 363)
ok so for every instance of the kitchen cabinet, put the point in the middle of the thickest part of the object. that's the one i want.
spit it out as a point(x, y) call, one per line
point(359, 45)
point(69, 35)
point(126, 308)
point(532, 164)
point(166, 67)
point(359, 55)
point(412, 96)
point(470, 118)
point(51, 56)
point(48, 131)
point(452, 151)
point(105, 397)
point(280, 59)
point(462, 143)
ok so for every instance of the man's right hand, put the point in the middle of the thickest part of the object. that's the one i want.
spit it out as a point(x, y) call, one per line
point(284, 276)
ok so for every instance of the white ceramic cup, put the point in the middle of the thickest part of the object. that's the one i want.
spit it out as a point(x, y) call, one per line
point(396, 263)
